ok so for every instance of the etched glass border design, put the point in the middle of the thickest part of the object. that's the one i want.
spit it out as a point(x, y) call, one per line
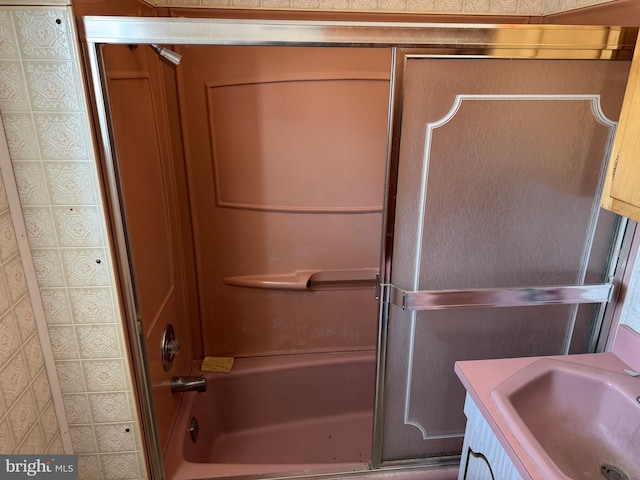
point(600, 117)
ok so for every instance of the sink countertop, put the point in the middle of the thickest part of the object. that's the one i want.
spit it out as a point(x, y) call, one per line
point(481, 377)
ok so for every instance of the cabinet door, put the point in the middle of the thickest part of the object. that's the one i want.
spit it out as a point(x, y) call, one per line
point(483, 456)
point(477, 467)
point(622, 186)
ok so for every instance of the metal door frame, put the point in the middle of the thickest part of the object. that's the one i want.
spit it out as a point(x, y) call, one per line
point(485, 41)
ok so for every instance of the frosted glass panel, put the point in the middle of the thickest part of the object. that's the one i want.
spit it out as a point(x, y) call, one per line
point(515, 160)
point(423, 353)
point(486, 333)
point(511, 191)
point(500, 164)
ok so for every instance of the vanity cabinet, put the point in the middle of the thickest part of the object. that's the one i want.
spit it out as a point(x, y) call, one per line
point(622, 185)
point(483, 458)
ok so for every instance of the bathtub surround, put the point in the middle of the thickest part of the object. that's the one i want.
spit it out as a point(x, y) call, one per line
point(49, 138)
point(48, 133)
point(290, 225)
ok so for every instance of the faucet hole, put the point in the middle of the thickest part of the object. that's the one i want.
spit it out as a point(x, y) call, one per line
point(612, 473)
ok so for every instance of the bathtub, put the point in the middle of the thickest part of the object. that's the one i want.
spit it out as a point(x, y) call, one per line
point(275, 416)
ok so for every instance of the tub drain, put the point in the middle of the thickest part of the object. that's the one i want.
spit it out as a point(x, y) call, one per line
point(194, 429)
point(612, 473)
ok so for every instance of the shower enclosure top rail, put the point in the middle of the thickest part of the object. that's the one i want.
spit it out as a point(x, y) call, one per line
point(615, 41)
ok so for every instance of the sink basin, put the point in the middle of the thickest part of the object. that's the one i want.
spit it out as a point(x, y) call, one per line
point(574, 421)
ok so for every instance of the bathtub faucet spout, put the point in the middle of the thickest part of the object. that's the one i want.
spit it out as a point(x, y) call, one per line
point(188, 384)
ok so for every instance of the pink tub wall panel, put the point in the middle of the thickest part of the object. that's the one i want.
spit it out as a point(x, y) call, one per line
point(150, 185)
point(286, 153)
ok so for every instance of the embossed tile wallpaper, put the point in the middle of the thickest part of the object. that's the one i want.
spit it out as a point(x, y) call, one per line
point(47, 127)
point(27, 417)
point(473, 7)
point(631, 310)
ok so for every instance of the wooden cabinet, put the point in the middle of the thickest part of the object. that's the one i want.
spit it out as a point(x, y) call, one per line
point(483, 457)
point(622, 185)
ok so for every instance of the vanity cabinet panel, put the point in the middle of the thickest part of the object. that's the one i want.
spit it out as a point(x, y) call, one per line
point(622, 185)
point(483, 458)
point(477, 467)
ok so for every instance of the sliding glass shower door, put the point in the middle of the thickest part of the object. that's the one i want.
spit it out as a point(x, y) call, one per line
point(496, 245)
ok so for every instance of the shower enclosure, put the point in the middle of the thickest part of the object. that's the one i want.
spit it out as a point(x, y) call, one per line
point(493, 242)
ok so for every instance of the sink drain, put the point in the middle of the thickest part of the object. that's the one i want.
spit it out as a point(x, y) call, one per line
point(612, 473)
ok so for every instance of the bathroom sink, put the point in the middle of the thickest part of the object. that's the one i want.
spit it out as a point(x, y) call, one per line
point(574, 421)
